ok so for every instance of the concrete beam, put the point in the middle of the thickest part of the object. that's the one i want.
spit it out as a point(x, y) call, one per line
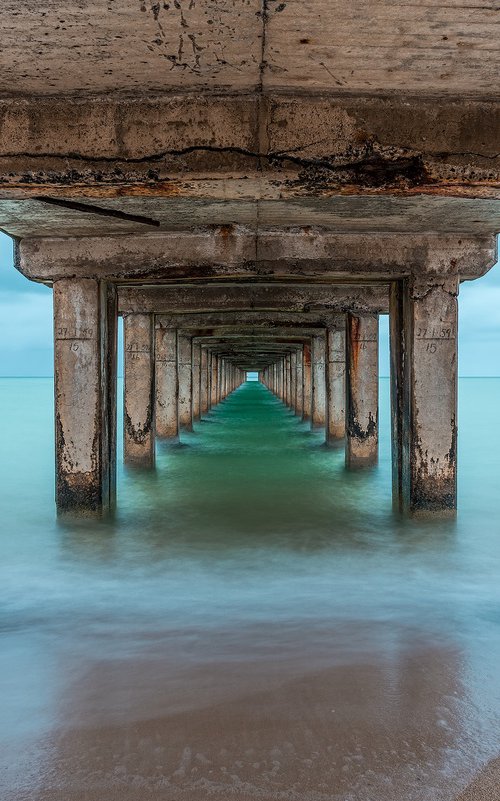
point(269, 320)
point(184, 145)
point(255, 297)
point(238, 251)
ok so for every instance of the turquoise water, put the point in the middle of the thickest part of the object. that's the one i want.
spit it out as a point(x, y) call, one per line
point(254, 622)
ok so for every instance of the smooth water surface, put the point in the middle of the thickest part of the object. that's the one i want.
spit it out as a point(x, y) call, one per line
point(255, 623)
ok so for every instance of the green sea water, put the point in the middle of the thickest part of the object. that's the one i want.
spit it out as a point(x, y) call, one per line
point(249, 564)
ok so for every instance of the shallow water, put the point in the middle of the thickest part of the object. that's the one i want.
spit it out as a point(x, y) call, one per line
point(254, 623)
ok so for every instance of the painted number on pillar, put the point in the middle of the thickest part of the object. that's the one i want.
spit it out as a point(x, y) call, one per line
point(63, 332)
point(438, 334)
point(135, 351)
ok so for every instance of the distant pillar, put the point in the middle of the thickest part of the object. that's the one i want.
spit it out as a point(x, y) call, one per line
point(307, 382)
point(293, 381)
point(85, 315)
point(424, 317)
point(219, 378)
point(204, 382)
point(299, 383)
point(184, 366)
point(139, 390)
point(318, 381)
point(213, 379)
point(288, 393)
point(196, 369)
point(167, 389)
point(362, 390)
point(335, 384)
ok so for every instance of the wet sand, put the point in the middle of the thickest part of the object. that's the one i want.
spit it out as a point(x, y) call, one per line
point(370, 729)
point(485, 786)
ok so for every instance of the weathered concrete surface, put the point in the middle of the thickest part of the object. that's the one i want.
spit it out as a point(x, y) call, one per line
point(166, 382)
point(335, 384)
point(362, 390)
point(185, 377)
point(155, 157)
point(376, 47)
point(256, 253)
point(139, 390)
point(318, 356)
point(424, 396)
point(85, 396)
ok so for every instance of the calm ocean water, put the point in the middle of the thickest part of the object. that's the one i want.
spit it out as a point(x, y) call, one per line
point(253, 623)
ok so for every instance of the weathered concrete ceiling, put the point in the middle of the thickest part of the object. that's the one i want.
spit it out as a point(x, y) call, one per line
point(141, 46)
point(117, 117)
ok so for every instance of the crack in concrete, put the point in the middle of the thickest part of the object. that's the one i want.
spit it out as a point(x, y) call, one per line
point(270, 156)
point(89, 208)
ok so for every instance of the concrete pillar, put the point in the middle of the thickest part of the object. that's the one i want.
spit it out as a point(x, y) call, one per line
point(184, 368)
point(139, 390)
point(213, 379)
point(85, 395)
point(281, 380)
point(318, 414)
point(287, 389)
point(299, 383)
point(167, 385)
point(204, 382)
point(293, 381)
point(196, 368)
point(219, 379)
point(307, 382)
point(424, 318)
point(361, 390)
point(335, 384)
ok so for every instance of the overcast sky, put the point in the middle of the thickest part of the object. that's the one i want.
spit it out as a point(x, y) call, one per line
point(26, 324)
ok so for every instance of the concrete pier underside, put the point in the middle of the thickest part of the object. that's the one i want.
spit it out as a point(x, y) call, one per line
point(252, 201)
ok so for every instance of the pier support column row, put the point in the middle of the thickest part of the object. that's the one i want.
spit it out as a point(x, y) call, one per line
point(165, 371)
